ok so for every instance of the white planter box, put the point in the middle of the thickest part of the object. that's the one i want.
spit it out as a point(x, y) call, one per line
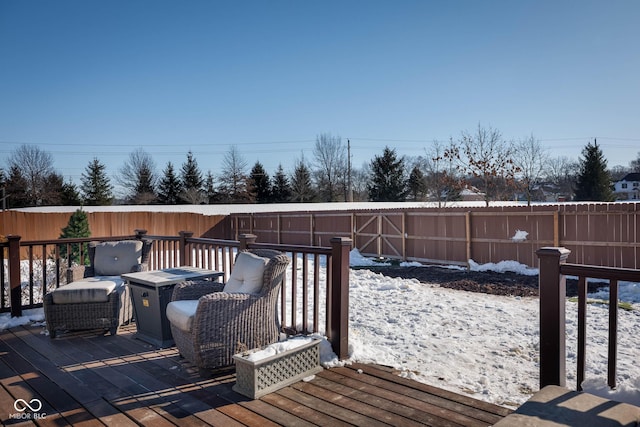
point(257, 378)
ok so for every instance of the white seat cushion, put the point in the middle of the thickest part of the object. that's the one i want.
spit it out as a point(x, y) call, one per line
point(90, 289)
point(181, 313)
point(247, 274)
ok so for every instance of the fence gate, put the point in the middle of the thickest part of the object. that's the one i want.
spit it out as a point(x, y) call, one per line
point(381, 233)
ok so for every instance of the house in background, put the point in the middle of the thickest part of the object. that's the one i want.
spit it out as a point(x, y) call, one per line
point(628, 188)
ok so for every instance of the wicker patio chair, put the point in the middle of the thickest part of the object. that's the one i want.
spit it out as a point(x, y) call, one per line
point(96, 296)
point(210, 325)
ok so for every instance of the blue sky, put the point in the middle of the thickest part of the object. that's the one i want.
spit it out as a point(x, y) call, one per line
point(84, 79)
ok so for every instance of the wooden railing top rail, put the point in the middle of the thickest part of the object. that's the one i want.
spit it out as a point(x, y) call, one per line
point(207, 241)
point(62, 241)
point(321, 250)
point(597, 272)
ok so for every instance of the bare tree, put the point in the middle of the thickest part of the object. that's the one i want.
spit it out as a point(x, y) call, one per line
point(35, 166)
point(233, 181)
point(359, 183)
point(330, 156)
point(487, 157)
point(443, 181)
point(562, 173)
point(138, 178)
point(530, 157)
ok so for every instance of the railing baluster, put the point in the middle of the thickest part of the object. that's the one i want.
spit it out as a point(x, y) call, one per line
point(316, 291)
point(14, 276)
point(44, 271)
point(3, 280)
point(305, 295)
point(283, 304)
point(56, 249)
point(582, 330)
point(327, 286)
point(294, 290)
point(30, 276)
point(613, 333)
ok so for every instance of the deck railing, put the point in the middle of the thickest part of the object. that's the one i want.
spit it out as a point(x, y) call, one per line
point(302, 300)
point(553, 272)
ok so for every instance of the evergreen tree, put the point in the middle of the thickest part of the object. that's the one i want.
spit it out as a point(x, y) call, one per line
point(211, 195)
point(144, 190)
point(191, 178)
point(387, 178)
point(301, 187)
point(417, 185)
point(78, 226)
point(95, 187)
point(634, 165)
point(53, 186)
point(16, 189)
point(594, 181)
point(259, 184)
point(170, 187)
point(281, 187)
point(70, 195)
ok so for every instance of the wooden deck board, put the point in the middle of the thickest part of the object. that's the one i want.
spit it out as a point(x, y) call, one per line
point(87, 379)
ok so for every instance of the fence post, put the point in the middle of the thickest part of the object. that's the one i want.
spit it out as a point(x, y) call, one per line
point(246, 239)
point(14, 276)
point(553, 293)
point(339, 313)
point(185, 256)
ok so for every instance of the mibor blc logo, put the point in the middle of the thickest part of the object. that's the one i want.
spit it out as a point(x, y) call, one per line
point(27, 410)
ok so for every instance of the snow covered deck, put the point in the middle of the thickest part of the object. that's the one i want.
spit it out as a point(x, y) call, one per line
point(89, 379)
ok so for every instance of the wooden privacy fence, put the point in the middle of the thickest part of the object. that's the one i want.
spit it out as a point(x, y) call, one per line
point(605, 234)
point(42, 225)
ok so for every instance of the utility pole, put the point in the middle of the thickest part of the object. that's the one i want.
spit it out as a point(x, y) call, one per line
point(349, 189)
point(4, 200)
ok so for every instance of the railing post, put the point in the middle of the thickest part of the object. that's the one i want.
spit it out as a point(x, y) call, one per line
point(246, 240)
point(185, 256)
point(553, 293)
point(140, 233)
point(339, 313)
point(14, 276)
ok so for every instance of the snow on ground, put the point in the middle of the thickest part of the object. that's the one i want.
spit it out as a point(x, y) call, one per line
point(482, 345)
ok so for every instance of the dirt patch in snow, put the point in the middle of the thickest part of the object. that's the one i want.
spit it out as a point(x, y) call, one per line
point(476, 281)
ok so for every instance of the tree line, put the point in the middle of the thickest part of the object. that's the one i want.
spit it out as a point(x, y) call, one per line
point(482, 162)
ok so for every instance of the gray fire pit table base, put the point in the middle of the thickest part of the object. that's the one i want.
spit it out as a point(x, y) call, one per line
point(151, 292)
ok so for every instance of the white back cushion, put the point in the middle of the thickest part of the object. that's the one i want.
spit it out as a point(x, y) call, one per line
point(247, 274)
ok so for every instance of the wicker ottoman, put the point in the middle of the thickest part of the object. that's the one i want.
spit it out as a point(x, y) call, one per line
point(92, 303)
